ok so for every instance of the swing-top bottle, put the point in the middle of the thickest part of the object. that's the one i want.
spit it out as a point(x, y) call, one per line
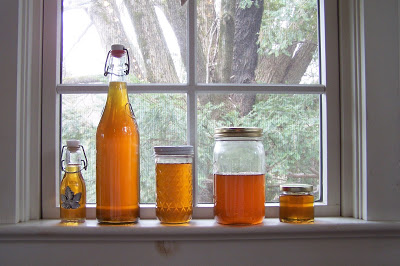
point(72, 187)
point(117, 147)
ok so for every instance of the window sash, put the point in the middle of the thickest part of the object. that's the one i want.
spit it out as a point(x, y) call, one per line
point(329, 115)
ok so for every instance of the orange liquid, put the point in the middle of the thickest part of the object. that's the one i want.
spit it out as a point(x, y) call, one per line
point(75, 182)
point(174, 192)
point(239, 199)
point(296, 208)
point(117, 160)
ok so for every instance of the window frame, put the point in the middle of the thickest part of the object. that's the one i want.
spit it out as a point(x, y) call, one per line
point(329, 114)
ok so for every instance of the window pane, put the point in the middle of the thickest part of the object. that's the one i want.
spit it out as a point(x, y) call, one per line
point(161, 119)
point(273, 42)
point(291, 125)
point(154, 32)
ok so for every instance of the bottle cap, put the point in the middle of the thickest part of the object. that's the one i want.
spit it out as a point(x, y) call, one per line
point(296, 188)
point(238, 132)
point(117, 47)
point(117, 50)
point(73, 143)
point(173, 150)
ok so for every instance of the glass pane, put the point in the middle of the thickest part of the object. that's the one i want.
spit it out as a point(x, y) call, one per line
point(161, 119)
point(154, 33)
point(291, 125)
point(272, 42)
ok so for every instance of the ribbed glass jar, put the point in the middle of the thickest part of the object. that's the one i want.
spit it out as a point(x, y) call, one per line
point(174, 183)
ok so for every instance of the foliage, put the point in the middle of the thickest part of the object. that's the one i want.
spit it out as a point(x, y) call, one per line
point(248, 3)
point(287, 23)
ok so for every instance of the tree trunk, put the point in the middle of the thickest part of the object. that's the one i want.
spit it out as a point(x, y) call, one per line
point(285, 69)
point(245, 57)
point(157, 59)
point(176, 15)
point(226, 39)
point(106, 20)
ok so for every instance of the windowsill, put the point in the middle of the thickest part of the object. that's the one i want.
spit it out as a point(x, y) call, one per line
point(152, 230)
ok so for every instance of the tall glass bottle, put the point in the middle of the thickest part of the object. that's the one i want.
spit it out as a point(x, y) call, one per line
point(117, 148)
point(72, 187)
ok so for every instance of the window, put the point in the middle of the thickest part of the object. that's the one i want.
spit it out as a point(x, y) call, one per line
point(195, 67)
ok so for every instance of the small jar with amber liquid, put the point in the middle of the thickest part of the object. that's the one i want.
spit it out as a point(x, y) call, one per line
point(174, 184)
point(296, 203)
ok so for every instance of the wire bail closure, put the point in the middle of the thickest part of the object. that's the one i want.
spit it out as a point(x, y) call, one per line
point(107, 67)
point(85, 162)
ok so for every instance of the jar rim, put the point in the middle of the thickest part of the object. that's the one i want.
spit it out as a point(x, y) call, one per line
point(296, 187)
point(238, 132)
point(174, 150)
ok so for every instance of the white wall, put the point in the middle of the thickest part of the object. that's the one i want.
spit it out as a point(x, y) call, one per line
point(379, 251)
point(8, 108)
point(382, 99)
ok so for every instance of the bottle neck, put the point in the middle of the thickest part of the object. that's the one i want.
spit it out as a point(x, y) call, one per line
point(117, 69)
point(117, 94)
point(73, 156)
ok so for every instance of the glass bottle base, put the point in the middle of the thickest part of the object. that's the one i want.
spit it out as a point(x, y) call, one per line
point(296, 221)
point(73, 221)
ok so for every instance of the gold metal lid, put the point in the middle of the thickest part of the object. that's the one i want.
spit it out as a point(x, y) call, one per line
point(296, 188)
point(238, 132)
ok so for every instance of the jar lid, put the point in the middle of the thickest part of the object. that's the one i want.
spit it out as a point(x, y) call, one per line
point(296, 188)
point(173, 150)
point(238, 132)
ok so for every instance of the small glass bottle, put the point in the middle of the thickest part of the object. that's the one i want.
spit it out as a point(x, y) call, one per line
point(239, 176)
point(72, 187)
point(296, 203)
point(174, 183)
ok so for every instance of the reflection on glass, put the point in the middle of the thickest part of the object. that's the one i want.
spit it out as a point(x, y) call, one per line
point(154, 32)
point(291, 126)
point(161, 119)
point(273, 42)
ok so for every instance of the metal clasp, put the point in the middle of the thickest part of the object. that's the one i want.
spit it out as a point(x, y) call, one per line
point(107, 67)
point(85, 162)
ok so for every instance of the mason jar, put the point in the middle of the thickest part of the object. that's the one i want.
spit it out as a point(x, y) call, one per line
point(239, 175)
point(174, 183)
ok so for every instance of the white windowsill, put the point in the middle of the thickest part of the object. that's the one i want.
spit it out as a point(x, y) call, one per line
point(152, 230)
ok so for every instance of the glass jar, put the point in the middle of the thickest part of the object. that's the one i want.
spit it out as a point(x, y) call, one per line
point(174, 183)
point(296, 203)
point(239, 176)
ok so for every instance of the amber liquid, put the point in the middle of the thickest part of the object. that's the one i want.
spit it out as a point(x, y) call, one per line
point(296, 208)
point(117, 160)
point(239, 199)
point(77, 185)
point(174, 192)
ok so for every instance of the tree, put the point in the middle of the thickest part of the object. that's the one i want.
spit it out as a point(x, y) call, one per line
point(238, 41)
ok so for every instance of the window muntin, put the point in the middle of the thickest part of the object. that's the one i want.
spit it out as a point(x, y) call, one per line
point(328, 92)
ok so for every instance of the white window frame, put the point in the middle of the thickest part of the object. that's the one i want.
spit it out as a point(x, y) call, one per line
point(328, 89)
